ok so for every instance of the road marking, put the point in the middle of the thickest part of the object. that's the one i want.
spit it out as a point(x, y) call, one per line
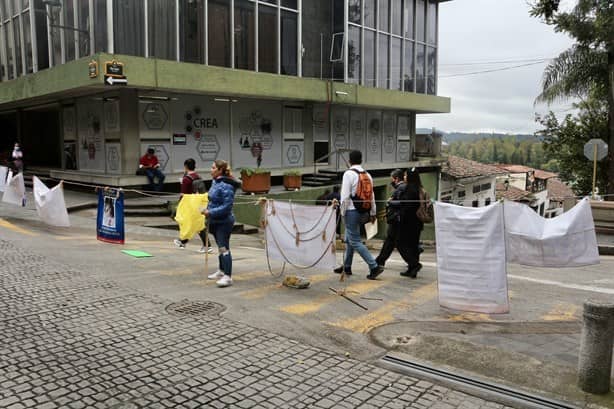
point(562, 312)
point(352, 291)
point(261, 292)
point(565, 285)
point(469, 316)
point(15, 228)
point(383, 315)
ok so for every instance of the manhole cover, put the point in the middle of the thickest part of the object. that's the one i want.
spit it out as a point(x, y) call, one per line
point(195, 308)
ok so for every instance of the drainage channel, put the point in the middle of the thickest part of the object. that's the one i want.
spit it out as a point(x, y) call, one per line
point(490, 391)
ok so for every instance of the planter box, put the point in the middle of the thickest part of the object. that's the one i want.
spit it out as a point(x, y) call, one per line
point(292, 182)
point(256, 183)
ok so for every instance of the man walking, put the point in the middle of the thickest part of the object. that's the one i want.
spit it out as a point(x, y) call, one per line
point(357, 207)
point(394, 213)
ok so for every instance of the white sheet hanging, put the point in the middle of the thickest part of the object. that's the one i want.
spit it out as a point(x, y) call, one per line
point(15, 190)
point(3, 173)
point(471, 267)
point(50, 204)
point(314, 245)
point(568, 240)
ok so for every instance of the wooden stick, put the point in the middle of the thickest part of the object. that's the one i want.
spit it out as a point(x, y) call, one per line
point(347, 298)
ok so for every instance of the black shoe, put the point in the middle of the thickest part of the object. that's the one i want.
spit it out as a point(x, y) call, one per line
point(375, 272)
point(412, 272)
point(339, 270)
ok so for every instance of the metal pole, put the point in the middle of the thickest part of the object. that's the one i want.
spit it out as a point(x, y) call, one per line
point(594, 168)
point(595, 361)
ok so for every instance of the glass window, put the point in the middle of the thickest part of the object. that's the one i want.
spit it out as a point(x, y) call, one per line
point(42, 43)
point(27, 42)
point(395, 63)
point(9, 49)
point(369, 58)
point(485, 186)
point(384, 15)
point(3, 10)
point(16, 7)
point(100, 25)
point(291, 4)
point(354, 55)
point(420, 57)
point(476, 188)
point(128, 27)
point(408, 18)
point(397, 16)
point(289, 25)
point(431, 65)
point(461, 194)
point(408, 58)
point(84, 24)
point(431, 25)
point(369, 13)
point(382, 63)
point(487, 201)
point(17, 38)
point(191, 15)
point(475, 203)
point(219, 33)
point(420, 11)
point(267, 39)
point(162, 28)
point(245, 35)
point(69, 35)
point(269, 1)
point(354, 11)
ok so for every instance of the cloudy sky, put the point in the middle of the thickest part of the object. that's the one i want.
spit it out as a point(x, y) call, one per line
point(477, 32)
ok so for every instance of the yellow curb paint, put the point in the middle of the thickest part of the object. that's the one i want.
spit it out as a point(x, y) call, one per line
point(383, 315)
point(469, 316)
point(562, 312)
point(261, 292)
point(11, 226)
point(353, 291)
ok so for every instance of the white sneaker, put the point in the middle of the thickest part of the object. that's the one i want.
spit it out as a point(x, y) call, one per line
point(225, 281)
point(216, 276)
point(179, 244)
point(207, 250)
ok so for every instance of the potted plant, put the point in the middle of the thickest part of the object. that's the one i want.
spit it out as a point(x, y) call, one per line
point(292, 179)
point(255, 180)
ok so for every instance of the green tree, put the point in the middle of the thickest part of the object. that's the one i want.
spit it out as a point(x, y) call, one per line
point(586, 70)
point(564, 142)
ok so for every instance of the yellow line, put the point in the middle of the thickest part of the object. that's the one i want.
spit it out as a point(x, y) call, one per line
point(562, 312)
point(384, 314)
point(262, 292)
point(11, 226)
point(352, 290)
point(469, 316)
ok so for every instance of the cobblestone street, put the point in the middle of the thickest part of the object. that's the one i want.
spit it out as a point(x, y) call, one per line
point(71, 340)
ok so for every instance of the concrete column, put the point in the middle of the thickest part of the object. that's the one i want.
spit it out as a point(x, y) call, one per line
point(129, 134)
point(595, 363)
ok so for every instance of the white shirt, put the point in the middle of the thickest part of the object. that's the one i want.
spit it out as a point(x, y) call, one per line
point(348, 189)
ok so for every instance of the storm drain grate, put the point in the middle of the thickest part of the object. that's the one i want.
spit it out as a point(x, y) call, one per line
point(195, 308)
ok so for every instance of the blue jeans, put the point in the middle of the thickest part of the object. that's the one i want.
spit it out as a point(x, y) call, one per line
point(151, 175)
point(354, 242)
point(221, 231)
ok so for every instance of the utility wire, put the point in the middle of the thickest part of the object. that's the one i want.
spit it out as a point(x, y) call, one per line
point(497, 62)
point(493, 70)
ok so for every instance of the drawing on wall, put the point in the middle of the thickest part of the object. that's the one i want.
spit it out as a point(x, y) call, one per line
point(294, 154)
point(113, 158)
point(256, 134)
point(374, 126)
point(388, 134)
point(92, 141)
point(111, 116)
point(154, 116)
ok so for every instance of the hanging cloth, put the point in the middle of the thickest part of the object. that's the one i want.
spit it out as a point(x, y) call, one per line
point(50, 204)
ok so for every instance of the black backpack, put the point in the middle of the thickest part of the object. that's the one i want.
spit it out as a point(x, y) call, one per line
point(198, 185)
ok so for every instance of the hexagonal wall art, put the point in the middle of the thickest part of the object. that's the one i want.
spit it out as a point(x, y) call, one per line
point(294, 154)
point(155, 116)
point(208, 147)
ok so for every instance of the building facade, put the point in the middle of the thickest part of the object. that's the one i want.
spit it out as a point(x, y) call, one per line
point(88, 85)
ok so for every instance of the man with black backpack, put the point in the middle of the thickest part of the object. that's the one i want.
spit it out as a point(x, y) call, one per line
point(193, 183)
point(357, 208)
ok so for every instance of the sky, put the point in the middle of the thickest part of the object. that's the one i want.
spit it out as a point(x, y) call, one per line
point(478, 31)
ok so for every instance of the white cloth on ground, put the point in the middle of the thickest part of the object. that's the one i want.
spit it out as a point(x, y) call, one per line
point(15, 190)
point(50, 204)
point(568, 240)
point(471, 266)
point(315, 247)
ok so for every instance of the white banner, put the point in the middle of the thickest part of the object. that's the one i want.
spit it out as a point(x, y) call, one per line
point(303, 236)
point(567, 240)
point(471, 267)
point(50, 204)
point(15, 189)
point(3, 173)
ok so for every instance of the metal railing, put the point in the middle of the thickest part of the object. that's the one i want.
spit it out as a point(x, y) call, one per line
point(339, 154)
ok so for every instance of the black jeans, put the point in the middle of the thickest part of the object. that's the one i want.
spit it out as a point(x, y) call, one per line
point(404, 243)
point(203, 236)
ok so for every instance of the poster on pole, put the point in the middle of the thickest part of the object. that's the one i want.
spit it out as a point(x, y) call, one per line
point(110, 218)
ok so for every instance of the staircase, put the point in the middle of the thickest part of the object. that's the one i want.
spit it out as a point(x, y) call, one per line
point(324, 177)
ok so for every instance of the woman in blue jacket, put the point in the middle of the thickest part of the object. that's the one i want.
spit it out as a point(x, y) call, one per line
point(220, 218)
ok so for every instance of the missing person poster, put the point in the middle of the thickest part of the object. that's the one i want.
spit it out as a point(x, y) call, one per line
point(110, 219)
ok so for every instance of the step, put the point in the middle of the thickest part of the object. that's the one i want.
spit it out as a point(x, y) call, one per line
point(144, 212)
point(314, 183)
point(318, 179)
point(330, 172)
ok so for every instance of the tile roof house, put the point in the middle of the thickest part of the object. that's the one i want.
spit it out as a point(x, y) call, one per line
point(467, 182)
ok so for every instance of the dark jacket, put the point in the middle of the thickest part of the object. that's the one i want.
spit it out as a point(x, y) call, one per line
point(394, 207)
point(411, 197)
point(221, 199)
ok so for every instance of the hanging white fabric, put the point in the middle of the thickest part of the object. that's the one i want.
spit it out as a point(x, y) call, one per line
point(471, 267)
point(15, 189)
point(3, 174)
point(301, 235)
point(50, 204)
point(568, 240)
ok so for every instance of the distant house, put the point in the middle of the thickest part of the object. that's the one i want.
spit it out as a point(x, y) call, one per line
point(468, 183)
point(558, 194)
point(511, 192)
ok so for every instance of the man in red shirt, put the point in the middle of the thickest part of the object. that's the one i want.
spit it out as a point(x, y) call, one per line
point(150, 165)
